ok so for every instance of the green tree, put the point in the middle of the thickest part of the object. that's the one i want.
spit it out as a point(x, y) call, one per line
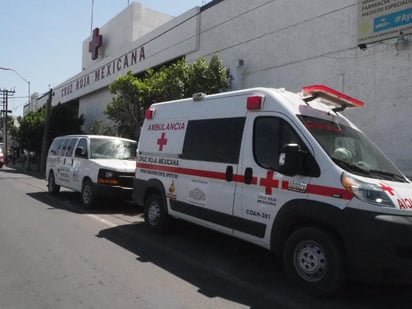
point(9, 126)
point(64, 120)
point(100, 129)
point(30, 131)
point(134, 95)
point(125, 110)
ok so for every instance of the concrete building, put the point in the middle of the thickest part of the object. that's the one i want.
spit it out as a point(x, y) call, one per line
point(282, 43)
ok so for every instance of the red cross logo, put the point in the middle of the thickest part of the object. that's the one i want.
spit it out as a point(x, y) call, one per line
point(269, 183)
point(162, 141)
point(95, 43)
point(387, 188)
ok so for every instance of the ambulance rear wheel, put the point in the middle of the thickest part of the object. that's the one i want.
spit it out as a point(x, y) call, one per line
point(155, 214)
point(313, 260)
point(51, 184)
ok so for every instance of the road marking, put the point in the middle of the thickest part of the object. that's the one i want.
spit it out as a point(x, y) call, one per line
point(101, 220)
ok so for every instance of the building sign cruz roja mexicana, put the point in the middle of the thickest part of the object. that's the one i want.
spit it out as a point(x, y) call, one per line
point(119, 64)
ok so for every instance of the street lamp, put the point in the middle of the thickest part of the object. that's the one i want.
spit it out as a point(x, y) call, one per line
point(27, 81)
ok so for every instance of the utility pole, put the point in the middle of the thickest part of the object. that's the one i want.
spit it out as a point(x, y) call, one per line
point(6, 93)
point(45, 144)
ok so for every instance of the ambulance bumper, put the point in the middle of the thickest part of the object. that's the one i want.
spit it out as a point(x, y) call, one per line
point(379, 246)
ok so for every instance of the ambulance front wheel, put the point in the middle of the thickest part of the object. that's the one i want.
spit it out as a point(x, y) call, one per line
point(155, 214)
point(313, 260)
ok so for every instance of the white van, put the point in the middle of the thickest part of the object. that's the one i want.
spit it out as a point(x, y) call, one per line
point(285, 171)
point(97, 166)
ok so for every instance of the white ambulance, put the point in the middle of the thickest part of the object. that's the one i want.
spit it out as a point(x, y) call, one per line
point(282, 170)
point(97, 166)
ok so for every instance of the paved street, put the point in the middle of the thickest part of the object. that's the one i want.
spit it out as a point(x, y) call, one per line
point(55, 255)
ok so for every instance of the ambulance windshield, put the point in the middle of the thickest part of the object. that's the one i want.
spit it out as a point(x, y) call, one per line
point(352, 150)
point(111, 148)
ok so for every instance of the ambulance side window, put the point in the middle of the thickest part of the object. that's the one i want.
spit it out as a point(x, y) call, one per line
point(213, 140)
point(270, 134)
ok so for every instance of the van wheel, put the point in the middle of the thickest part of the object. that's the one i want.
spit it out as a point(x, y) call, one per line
point(87, 195)
point(155, 215)
point(313, 260)
point(51, 184)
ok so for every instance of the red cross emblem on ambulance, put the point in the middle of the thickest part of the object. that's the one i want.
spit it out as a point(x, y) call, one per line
point(269, 183)
point(387, 189)
point(162, 141)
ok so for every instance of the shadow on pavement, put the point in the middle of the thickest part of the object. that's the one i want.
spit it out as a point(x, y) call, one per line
point(222, 266)
point(218, 265)
point(70, 201)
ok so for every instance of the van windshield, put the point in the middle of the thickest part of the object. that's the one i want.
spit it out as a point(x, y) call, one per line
point(111, 148)
point(352, 150)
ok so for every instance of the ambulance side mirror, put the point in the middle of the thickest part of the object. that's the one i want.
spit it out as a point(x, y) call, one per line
point(290, 160)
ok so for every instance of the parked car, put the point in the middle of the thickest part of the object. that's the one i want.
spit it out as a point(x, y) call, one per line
point(1, 158)
point(97, 166)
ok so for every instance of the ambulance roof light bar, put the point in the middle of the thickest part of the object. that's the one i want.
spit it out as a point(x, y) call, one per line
point(331, 96)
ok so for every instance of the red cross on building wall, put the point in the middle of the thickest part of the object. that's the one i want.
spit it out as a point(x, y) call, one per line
point(162, 141)
point(95, 43)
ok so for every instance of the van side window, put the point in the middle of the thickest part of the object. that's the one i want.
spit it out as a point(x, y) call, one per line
point(270, 134)
point(83, 144)
point(70, 147)
point(214, 140)
point(55, 147)
point(63, 147)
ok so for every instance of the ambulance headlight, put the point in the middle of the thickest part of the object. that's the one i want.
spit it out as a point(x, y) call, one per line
point(366, 192)
point(108, 177)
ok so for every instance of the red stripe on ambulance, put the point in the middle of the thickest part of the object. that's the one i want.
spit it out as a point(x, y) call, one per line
point(268, 183)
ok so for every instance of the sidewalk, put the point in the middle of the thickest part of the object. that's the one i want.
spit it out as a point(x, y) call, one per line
point(32, 170)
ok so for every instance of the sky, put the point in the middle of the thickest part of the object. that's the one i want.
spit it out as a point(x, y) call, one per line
point(41, 40)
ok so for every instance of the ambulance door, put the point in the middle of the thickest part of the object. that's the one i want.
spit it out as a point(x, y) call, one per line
point(264, 190)
point(211, 154)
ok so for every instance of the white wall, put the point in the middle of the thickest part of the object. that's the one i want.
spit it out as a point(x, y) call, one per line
point(292, 43)
point(92, 107)
point(126, 27)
